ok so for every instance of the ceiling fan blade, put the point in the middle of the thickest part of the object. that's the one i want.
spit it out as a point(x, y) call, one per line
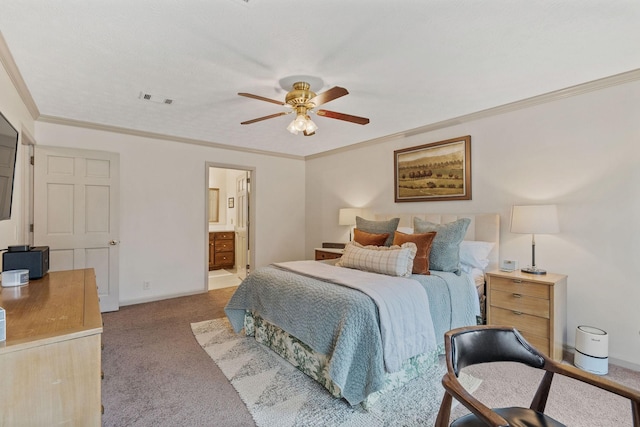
point(341, 116)
point(259, 119)
point(261, 98)
point(329, 95)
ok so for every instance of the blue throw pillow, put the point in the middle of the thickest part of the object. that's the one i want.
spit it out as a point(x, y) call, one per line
point(445, 251)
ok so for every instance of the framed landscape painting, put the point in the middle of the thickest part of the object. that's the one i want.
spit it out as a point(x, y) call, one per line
point(434, 172)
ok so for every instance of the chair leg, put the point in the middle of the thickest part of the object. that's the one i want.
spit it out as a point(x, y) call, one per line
point(445, 411)
point(635, 413)
point(540, 399)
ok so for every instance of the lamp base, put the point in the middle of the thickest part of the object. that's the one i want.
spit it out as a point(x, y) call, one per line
point(533, 270)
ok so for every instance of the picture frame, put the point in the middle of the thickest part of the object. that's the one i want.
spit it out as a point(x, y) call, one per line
point(432, 172)
point(230, 202)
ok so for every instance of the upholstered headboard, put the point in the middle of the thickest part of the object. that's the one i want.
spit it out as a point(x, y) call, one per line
point(484, 227)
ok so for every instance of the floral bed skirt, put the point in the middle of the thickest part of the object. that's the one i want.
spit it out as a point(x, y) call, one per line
point(316, 364)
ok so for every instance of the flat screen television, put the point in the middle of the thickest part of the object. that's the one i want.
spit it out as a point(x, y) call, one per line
point(8, 152)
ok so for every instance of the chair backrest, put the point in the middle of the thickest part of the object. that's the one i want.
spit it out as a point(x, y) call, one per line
point(490, 344)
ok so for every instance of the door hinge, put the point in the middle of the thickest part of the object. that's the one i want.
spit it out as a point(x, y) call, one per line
point(31, 228)
point(32, 160)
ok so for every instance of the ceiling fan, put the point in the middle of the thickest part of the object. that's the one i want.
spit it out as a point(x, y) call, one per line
point(303, 101)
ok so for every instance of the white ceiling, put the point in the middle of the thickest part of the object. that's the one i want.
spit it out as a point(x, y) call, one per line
point(406, 63)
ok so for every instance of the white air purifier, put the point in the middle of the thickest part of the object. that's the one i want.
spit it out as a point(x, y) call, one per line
point(592, 350)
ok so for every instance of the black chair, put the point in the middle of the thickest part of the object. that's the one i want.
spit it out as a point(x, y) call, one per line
point(480, 344)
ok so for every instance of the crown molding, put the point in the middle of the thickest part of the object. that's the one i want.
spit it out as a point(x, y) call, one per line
point(160, 136)
point(6, 58)
point(580, 89)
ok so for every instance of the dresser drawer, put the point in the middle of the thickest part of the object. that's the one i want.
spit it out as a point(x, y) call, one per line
point(522, 287)
point(520, 302)
point(320, 255)
point(224, 258)
point(223, 245)
point(541, 344)
point(534, 325)
point(222, 235)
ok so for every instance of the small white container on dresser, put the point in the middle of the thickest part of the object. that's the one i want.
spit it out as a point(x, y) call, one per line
point(12, 278)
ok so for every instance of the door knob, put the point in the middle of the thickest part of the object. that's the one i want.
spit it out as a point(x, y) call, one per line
point(113, 242)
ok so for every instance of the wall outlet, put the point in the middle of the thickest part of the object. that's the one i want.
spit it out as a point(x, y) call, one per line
point(146, 285)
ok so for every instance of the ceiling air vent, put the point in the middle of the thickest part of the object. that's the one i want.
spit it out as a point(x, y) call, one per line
point(158, 99)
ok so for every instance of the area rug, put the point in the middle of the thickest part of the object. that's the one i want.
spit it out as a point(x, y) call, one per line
point(279, 395)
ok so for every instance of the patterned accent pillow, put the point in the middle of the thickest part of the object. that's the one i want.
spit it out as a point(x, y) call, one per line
point(445, 251)
point(369, 239)
point(423, 242)
point(378, 227)
point(392, 261)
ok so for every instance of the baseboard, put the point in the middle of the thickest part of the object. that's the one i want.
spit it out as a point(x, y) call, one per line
point(570, 351)
point(159, 298)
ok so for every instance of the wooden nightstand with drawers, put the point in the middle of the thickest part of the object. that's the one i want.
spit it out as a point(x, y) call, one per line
point(534, 304)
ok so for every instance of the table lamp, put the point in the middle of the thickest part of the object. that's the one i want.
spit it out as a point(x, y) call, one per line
point(534, 219)
point(347, 216)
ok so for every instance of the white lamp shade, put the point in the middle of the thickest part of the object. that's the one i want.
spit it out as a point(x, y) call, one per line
point(535, 219)
point(347, 216)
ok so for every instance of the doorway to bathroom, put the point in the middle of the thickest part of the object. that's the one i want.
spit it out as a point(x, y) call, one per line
point(228, 225)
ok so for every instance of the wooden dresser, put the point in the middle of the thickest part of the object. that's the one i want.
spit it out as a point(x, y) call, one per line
point(50, 363)
point(534, 304)
point(221, 249)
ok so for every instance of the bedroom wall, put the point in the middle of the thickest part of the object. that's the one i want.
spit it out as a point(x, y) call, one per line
point(162, 207)
point(581, 153)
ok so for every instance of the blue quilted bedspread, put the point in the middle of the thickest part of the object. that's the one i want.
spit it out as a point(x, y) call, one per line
point(342, 322)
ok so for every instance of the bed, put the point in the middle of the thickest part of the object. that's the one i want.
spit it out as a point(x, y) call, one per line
point(357, 332)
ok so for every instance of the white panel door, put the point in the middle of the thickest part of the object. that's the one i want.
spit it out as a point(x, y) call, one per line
point(76, 195)
point(242, 224)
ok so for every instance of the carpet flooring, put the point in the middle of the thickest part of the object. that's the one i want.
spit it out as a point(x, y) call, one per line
point(278, 394)
point(156, 374)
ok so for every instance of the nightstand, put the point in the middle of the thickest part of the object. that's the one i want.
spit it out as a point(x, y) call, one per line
point(534, 304)
point(328, 253)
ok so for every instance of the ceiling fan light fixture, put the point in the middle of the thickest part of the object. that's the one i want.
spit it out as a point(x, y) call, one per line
point(311, 127)
point(303, 101)
point(300, 123)
point(292, 128)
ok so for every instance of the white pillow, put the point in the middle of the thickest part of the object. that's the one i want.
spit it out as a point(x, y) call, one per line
point(474, 254)
point(392, 260)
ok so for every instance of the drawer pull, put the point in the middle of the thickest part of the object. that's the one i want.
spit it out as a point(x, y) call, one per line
point(517, 295)
point(517, 281)
point(517, 313)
